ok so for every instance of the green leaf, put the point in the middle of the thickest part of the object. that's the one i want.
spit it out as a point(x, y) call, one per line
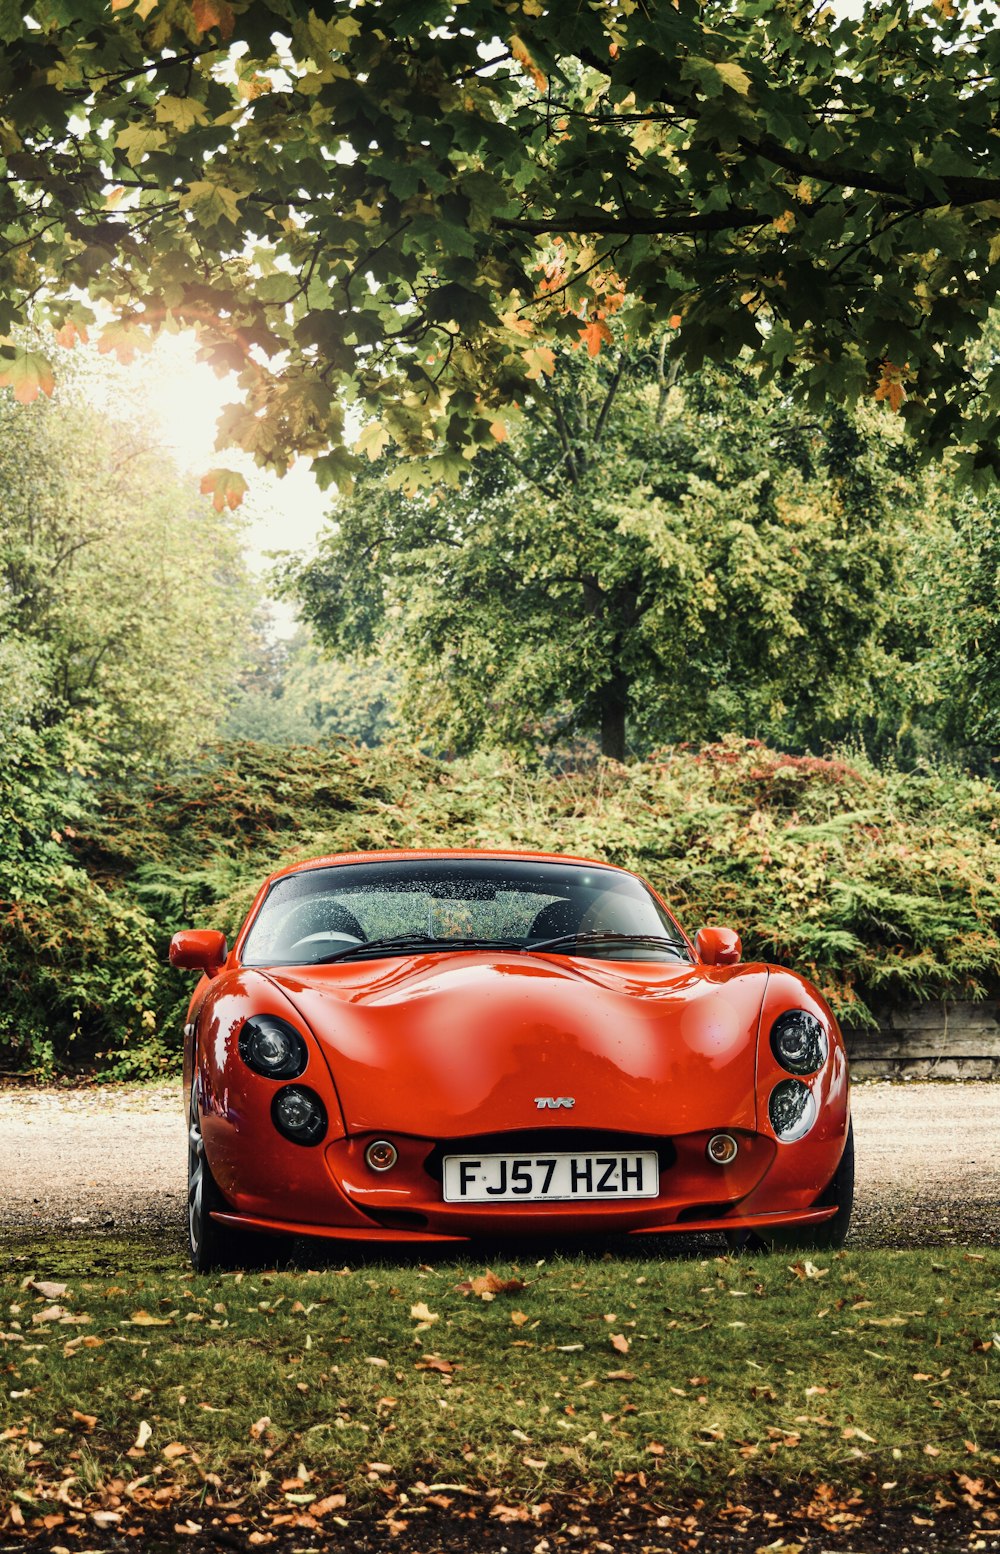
point(182, 113)
point(212, 202)
point(137, 140)
point(734, 76)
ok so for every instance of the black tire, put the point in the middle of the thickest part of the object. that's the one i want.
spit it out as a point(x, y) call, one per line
point(211, 1245)
point(826, 1237)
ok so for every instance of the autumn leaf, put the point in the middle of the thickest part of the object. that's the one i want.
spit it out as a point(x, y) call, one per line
point(423, 1316)
point(124, 339)
point(890, 385)
point(259, 1427)
point(87, 1420)
point(69, 333)
point(488, 1285)
point(520, 52)
point(594, 335)
point(145, 1319)
point(434, 1362)
point(327, 1504)
point(47, 1289)
point(519, 1318)
point(226, 487)
point(213, 13)
point(29, 374)
point(620, 1342)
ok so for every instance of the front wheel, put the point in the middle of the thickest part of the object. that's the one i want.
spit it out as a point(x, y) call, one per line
point(211, 1245)
point(825, 1237)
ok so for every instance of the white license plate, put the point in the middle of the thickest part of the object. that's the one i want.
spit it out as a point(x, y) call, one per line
point(555, 1177)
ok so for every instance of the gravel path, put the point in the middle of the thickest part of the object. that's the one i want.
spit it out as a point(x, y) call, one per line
point(928, 1163)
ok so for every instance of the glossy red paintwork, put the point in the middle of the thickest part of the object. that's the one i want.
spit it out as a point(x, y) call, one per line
point(198, 949)
point(718, 946)
point(429, 1048)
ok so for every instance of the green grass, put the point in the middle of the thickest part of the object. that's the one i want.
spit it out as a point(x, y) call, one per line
point(862, 1368)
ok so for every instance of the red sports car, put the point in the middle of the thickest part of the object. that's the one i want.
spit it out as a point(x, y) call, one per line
point(434, 1046)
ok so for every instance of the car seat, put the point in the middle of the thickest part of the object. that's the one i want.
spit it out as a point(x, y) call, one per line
point(558, 917)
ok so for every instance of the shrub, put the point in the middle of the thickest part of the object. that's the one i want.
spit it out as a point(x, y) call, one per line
point(880, 886)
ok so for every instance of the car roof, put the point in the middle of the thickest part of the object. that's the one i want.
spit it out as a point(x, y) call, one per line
point(385, 855)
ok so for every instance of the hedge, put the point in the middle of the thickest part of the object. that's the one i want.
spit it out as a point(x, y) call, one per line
point(879, 885)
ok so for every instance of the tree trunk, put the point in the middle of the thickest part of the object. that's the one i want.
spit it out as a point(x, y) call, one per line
point(614, 710)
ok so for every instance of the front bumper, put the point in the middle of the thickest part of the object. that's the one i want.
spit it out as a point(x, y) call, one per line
point(767, 1184)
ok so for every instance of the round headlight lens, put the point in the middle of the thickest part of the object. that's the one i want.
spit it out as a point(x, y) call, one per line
point(792, 1110)
point(799, 1042)
point(272, 1047)
point(299, 1114)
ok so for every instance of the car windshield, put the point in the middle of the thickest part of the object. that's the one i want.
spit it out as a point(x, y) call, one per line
point(324, 914)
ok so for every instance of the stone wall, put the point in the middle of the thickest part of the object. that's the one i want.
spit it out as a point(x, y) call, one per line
point(930, 1041)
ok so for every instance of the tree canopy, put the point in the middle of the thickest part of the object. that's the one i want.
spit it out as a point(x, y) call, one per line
point(410, 204)
point(117, 590)
point(652, 561)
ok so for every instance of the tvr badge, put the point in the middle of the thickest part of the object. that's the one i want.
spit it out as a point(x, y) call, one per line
point(552, 1103)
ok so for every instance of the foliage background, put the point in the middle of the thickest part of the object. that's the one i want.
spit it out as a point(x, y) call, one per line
point(880, 885)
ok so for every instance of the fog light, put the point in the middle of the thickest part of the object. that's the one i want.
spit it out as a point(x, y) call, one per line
point(722, 1149)
point(792, 1110)
point(299, 1114)
point(381, 1155)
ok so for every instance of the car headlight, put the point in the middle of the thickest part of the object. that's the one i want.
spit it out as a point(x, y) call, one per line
point(792, 1110)
point(272, 1047)
point(799, 1042)
point(299, 1114)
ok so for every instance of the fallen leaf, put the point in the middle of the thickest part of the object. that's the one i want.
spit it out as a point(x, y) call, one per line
point(259, 1426)
point(177, 1449)
point(434, 1362)
point(327, 1504)
point(423, 1315)
point(144, 1434)
point(46, 1288)
point(143, 1319)
point(487, 1286)
point(87, 1420)
point(620, 1342)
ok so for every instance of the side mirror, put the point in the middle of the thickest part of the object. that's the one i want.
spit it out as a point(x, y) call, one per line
point(718, 946)
point(199, 949)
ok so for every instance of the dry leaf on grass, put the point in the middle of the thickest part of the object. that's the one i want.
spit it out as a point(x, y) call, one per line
point(488, 1286)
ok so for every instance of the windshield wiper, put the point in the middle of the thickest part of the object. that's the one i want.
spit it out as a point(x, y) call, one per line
point(599, 937)
point(409, 941)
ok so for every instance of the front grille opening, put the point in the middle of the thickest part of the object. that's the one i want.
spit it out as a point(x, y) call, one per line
point(704, 1211)
point(547, 1141)
point(398, 1219)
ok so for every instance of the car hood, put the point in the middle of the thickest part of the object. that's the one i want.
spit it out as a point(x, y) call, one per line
point(446, 1046)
